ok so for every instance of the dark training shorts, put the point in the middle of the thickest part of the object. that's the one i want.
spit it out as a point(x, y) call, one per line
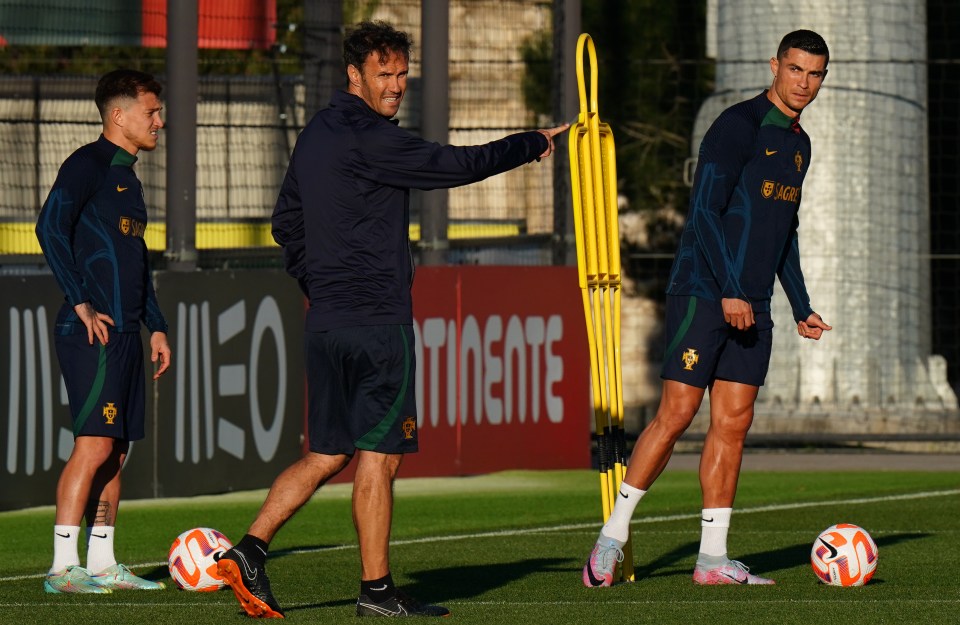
point(105, 384)
point(360, 390)
point(702, 347)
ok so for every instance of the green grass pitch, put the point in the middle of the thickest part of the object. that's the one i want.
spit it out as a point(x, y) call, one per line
point(508, 549)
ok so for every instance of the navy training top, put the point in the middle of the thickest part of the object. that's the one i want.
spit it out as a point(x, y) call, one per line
point(91, 231)
point(741, 228)
point(343, 213)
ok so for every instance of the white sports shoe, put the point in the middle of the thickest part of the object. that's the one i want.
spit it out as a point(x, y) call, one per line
point(733, 572)
point(598, 571)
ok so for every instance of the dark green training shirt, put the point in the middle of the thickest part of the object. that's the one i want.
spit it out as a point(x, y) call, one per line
point(741, 227)
point(91, 231)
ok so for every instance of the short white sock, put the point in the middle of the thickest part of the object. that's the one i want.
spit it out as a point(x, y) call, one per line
point(714, 524)
point(65, 547)
point(100, 548)
point(617, 526)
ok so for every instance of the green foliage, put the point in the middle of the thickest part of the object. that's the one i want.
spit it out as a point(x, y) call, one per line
point(652, 79)
point(355, 11)
point(537, 53)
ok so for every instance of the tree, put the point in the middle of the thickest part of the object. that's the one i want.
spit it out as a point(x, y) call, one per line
point(652, 79)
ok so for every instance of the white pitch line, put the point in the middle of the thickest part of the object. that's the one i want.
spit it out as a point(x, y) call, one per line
point(607, 602)
point(580, 526)
point(753, 600)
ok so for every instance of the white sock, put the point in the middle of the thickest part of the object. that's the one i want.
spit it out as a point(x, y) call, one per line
point(618, 525)
point(65, 547)
point(715, 524)
point(100, 548)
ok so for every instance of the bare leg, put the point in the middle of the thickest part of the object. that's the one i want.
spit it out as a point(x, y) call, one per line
point(104, 499)
point(89, 458)
point(373, 510)
point(292, 489)
point(678, 405)
point(731, 414)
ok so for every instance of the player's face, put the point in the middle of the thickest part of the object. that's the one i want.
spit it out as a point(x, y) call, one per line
point(381, 85)
point(796, 80)
point(140, 122)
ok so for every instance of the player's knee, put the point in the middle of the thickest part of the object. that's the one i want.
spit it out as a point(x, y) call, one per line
point(732, 424)
point(386, 465)
point(673, 421)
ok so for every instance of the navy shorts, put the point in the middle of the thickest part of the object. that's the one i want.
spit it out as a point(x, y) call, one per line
point(105, 384)
point(360, 390)
point(702, 347)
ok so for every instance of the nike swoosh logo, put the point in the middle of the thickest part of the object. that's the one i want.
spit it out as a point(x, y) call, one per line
point(734, 578)
point(384, 611)
point(379, 589)
point(710, 520)
point(249, 572)
point(593, 578)
point(62, 535)
point(770, 152)
point(622, 494)
point(833, 550)
point(99, 535)
point(121, 189)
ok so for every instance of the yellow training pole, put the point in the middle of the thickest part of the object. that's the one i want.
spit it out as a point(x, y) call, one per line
point(593, 177)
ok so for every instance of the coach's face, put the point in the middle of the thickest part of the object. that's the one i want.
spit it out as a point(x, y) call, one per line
point(797, 77)
point(138, 121)
point(381, 84)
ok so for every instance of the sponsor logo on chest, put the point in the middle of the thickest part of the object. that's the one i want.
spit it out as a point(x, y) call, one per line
point(772, 190)
point(776, 190)
point(130, 227)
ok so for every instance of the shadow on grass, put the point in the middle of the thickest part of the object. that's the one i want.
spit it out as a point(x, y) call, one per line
point(665, 564)
point(463, 582)
point(799, 555)
point(457, 583)
point(157, 574)
point(760, 562)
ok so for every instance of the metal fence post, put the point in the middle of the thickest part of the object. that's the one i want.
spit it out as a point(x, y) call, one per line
point(434, 216)
point(181, 122)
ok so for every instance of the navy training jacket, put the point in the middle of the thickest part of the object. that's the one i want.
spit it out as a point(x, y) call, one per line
point(343, 213)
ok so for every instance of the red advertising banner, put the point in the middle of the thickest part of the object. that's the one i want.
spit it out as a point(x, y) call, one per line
point(223, 24)
point(502, 371)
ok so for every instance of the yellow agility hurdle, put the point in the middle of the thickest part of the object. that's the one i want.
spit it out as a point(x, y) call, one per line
point(593, 181)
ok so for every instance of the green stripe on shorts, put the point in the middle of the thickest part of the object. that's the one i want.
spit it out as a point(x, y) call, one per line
point(684, 326)
point(95, 389)
point(371, 439)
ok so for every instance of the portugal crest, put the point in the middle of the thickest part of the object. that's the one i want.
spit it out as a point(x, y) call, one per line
point(689, 358)
point(125, 225)
point(409, 427)
point(767, 189)
point(110, 413)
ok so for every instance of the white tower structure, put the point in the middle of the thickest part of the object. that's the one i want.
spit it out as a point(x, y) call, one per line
point(864, 226)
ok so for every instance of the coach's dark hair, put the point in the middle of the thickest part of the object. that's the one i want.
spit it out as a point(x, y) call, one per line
point(805, 40)
point(124, 83)
point(369, 37)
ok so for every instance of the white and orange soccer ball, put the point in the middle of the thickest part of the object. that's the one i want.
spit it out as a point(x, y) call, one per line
point(193, 559)
point(844, 555)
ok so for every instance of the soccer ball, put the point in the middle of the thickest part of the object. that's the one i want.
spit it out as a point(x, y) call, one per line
point(844, 555)
point(193, 559)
